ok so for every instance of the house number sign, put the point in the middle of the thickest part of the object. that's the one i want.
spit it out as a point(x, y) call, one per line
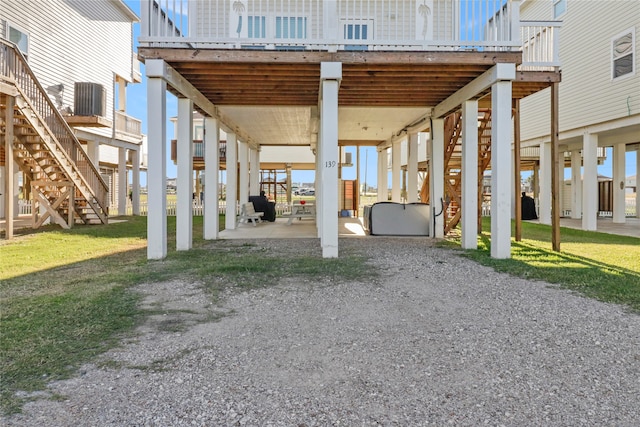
point(330, 164)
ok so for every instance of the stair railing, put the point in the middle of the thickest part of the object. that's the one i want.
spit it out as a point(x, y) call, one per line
point(15, 69)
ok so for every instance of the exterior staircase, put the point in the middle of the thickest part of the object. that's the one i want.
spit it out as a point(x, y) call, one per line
point(453, 166)
point(63, 182)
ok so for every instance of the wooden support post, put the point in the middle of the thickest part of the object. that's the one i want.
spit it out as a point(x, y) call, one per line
point(555, 178)
point(516, 168)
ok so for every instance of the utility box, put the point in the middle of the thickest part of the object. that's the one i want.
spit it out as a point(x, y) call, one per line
point(90, 99)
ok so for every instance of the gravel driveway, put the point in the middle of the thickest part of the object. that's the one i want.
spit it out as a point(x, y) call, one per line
point(435, 340)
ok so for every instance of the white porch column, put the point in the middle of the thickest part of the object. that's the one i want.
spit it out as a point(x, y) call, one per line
point(576, 184)
point(184, 182)
point(546, 163)
point(330, 74)
point(122, 181)
point(436, 176)
point(590, 182)
point(383, 175)
point(8, 172)
point(212, 168)
point(470, 175)
point(501, 172)
point(135, 181)
point(232, 181)
point(638, 182)
point(619, 152)
point(254, 172)
point(396, 172)
point(93, 152)
point(157, 169)
point(412, 169)
point(243, 178)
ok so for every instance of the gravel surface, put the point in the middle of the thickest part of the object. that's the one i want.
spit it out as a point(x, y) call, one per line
point(435, 340)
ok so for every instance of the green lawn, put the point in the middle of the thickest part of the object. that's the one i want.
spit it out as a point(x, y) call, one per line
point(599, 265)
point(65, 295)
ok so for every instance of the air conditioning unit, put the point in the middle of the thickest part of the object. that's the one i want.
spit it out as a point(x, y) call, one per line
point(90, 99)
point(346, 160)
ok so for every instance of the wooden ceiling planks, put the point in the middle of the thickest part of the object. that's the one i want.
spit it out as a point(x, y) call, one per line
point(373, 78)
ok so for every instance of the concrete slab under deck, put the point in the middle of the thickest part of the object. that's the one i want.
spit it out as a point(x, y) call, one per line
point(299, 228)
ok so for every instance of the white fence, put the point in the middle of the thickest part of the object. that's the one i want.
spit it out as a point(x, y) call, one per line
point(630, 210)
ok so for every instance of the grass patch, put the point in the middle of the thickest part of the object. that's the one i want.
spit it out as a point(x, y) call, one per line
point(599, 265)
point(65, 295)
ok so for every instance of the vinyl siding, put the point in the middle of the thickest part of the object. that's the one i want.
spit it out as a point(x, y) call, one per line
point(74, 41)
point(588, 95)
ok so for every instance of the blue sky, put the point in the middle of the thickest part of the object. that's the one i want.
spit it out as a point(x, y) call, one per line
point(137, 107)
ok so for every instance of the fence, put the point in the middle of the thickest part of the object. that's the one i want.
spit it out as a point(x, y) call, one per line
point(630, 209)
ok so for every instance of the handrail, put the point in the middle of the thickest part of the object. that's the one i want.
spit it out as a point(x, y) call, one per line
point(15, 69)
point(540, 44)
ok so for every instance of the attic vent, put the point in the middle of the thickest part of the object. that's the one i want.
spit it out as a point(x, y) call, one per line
point(90, 99)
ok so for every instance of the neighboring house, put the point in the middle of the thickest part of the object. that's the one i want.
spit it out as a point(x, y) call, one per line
point(599, 100)
point(326, 74)
point(80, 56)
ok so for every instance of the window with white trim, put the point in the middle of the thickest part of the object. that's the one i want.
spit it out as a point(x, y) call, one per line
point(20, 38)
point(256, 27)
point(291, 27)
point(622, 58)
point(559, 8)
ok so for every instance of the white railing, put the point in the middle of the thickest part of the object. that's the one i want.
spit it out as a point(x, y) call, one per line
point(332, 24)
point(540, 45)
point(127, 124)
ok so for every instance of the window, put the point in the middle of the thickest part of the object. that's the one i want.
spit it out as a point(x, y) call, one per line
point(291, 27)
point(559, 8)
point(358, 31)
point(622, 60)
point(256, 27)
point(198, 134)
point(20, 38)
point(355, 32)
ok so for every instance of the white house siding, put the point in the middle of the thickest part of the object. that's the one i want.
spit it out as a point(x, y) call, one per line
point(588, 95)
point(74, 41)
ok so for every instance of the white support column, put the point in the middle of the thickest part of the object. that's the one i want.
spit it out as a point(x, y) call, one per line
point(254, 172)
point(501, 169)
point(412, 169)
point(184, 182)
point(135, 181)
point(576, 184)
point(619, 152)
point(157, 169)
point(212, 168)
point(436, 177)
point(470, 175)
point(546, 163)
point(122, 181)
point(383, 175)
point(638, 182)
point(396, 172)
point(590, 182)
point(9, 165)
point(243, 178)
point(93, 152)
point(330, 74)
point(232, 181)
